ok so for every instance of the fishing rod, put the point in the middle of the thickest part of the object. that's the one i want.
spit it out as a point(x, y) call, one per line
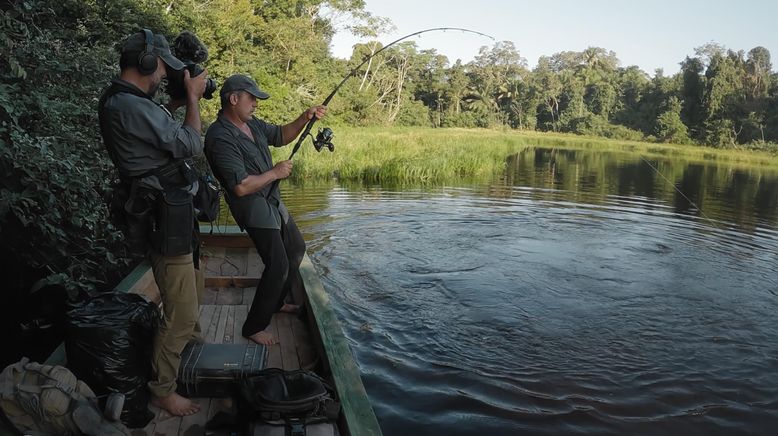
point(324, 137)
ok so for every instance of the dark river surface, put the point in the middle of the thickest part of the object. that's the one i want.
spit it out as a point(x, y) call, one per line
point(577, 293)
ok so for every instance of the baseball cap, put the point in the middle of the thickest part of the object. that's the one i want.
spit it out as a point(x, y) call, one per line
point(136, 43)
point(239, 82)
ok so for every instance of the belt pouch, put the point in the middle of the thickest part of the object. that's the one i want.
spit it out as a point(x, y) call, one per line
point(177, 174)
point(139, 217)
point(172, 235)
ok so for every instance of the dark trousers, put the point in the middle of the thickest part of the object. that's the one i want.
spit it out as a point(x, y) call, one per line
point(281, 252)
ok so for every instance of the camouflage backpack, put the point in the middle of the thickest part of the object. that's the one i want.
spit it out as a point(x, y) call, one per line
point(42, 400)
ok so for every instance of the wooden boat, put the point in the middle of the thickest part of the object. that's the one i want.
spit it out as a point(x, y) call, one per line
point(313, 341)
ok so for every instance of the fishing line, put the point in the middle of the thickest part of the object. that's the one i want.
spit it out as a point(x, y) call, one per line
point(681, 192)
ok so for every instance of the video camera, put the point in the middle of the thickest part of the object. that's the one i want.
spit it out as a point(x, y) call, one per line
point(188, 48)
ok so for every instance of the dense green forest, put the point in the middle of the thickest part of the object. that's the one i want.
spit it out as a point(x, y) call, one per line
point(57, 55)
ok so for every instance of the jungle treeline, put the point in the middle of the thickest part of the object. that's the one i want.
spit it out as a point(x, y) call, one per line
point(57, 55)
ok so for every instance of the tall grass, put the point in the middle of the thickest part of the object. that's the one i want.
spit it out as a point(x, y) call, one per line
point(422, 155)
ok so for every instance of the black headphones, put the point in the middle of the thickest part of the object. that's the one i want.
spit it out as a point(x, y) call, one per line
point(147, 60)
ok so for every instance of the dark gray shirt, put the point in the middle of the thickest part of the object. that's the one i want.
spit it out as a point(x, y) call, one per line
point(146, 136)
point(233, 156)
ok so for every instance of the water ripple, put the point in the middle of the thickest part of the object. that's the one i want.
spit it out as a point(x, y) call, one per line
point(511, 310)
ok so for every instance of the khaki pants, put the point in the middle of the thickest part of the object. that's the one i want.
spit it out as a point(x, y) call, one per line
point(180, 287)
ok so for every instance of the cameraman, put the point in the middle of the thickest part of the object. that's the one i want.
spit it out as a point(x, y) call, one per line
point(149, 148)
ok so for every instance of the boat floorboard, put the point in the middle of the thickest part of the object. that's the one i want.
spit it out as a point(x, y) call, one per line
point(222, 313)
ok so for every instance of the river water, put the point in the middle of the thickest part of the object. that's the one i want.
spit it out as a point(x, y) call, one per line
point(577, 293)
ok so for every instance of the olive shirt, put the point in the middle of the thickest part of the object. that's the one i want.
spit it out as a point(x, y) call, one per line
point(233, 156)
point(146, 136)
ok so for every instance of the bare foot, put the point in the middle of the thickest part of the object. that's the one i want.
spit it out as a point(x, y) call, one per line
point(263, 338)
point(176, 404)
point(289, 308)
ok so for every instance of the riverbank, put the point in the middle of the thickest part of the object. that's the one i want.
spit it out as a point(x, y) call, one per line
point(424, 155)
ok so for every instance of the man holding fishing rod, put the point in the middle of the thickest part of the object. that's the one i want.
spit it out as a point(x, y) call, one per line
point(237, 148)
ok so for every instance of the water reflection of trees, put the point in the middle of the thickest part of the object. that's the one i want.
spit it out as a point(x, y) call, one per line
point(746, 196)
point(742, 195)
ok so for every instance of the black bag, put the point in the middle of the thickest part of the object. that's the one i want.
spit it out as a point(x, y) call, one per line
point(108, 346)
point(207, 199)
point(216, 370)
point(293, 427)
point(174, 223)
point(277, 394)
point(297, 403)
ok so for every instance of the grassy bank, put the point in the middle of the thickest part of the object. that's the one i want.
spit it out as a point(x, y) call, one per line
point(422, 155)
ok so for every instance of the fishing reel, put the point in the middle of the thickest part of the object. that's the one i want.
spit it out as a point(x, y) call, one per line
point(324, 138)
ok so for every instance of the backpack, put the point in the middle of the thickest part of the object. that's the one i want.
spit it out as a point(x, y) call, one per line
point(44, 400)
point(295, 402)
point(207, 199)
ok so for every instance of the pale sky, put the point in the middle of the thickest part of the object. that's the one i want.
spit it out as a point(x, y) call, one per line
point(649, 34)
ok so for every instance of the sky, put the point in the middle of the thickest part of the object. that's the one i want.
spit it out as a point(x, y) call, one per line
point(649, 34)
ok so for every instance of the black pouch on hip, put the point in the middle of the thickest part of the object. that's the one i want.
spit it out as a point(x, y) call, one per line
point(138, 219)
point(132, 213)
point(172, 234)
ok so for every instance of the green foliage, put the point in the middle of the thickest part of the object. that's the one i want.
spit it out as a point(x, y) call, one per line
point(462, 119)
point(692, 94)
point(596, 125)
point(634, 86)
point(413, 114)
point(669, 127)
point(761, 146)
point(720, 133)
point(54, 173)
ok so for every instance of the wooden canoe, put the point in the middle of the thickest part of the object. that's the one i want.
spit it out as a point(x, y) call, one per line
point(317, 342)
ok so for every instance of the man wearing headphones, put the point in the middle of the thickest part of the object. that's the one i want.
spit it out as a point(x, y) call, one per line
point(149, 148)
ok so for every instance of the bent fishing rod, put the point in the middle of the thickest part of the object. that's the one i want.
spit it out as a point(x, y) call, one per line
point(324, 137)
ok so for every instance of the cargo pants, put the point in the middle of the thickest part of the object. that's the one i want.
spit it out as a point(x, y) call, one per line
point(180, 288)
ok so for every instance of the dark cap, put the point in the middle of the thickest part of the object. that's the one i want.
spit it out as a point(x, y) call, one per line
point(136, 43)
point(239, 82)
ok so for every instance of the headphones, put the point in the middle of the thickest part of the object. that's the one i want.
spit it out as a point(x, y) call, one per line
point(147, 60)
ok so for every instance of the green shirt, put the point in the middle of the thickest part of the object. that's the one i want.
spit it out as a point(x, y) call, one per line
point(233, 156)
